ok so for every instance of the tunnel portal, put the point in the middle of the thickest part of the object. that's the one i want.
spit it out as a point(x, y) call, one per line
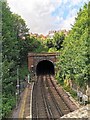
point(45, 67)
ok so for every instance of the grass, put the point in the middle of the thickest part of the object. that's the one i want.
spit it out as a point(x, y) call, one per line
point(72, 92)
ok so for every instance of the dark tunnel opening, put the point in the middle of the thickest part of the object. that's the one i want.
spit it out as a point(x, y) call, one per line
point(45, 67)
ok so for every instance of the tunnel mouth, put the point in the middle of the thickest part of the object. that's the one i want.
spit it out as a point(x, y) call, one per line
point(45, 67)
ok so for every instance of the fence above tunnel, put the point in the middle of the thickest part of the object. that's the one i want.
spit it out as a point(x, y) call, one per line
point(34, 59)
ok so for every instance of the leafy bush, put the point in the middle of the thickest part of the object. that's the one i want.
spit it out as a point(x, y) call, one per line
point(8, 104)
point(72, 92)
point(75, 56)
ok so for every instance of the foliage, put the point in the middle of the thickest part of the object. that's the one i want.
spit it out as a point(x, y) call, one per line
point(9, 103)
point(72, 92)
point(74, 59)
point(16, 43)
point(50, 43)
point(58, 40)
point(55, 44)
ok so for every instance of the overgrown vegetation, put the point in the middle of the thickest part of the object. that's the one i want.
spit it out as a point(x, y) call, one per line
point(74, 51)
point(55, 43)
point(75, 54)
point(16, 43)
point(71, 91)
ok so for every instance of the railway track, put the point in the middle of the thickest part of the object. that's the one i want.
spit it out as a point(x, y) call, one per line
point(46, 100)
point(60, 105)
point(38, 108)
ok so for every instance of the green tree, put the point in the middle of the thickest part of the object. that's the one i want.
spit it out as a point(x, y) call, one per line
point(55, 44)
point(16, 43)
point(9, 51)
point(74, 60)
point(58, 40)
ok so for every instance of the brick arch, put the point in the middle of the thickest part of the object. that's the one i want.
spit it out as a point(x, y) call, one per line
point(45, 67)
point(34, 59)
point(44, 59)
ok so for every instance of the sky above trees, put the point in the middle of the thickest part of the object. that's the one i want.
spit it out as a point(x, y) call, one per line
point(42, 16)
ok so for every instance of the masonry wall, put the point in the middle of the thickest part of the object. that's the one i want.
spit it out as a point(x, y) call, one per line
point(30, 62)
point(34, 59)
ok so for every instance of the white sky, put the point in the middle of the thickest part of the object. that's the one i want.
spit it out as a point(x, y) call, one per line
point(41, 16)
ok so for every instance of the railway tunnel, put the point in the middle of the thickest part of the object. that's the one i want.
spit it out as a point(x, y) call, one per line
point(45, 67)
